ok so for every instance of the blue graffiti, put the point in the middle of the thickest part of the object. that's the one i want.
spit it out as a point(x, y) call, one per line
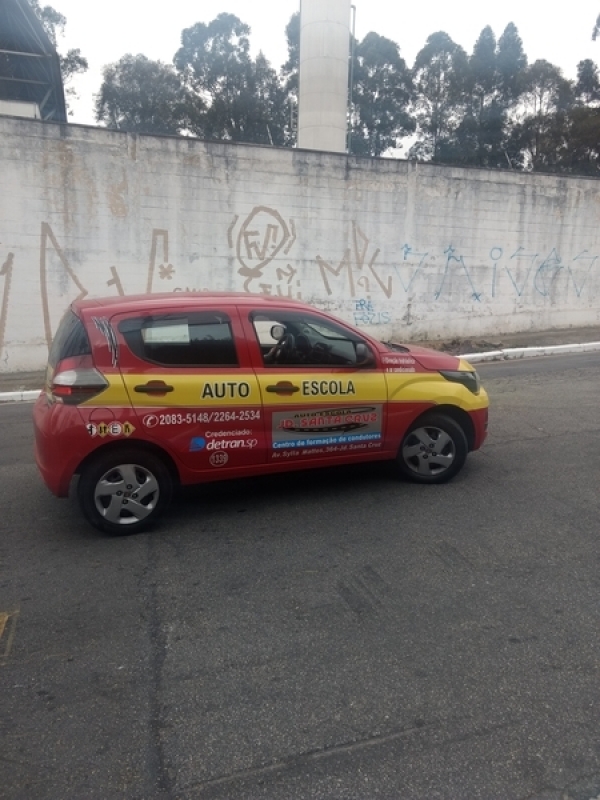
point(582, 257)
point(365, 313)
point(450, 257)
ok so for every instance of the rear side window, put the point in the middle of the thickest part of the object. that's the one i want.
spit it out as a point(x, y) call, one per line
point(70, 340)
point(197, 339)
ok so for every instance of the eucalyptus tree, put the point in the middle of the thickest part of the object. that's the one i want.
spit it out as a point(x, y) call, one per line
point(380, 97)
point(237, 98)
point(440, 77)
point(587, 86)
point(540, 134)
point(141, 95)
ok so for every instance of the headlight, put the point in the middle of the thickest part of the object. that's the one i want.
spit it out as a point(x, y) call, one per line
point(469, 379)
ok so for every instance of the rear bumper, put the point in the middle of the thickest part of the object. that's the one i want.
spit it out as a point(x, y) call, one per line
point(56, 464)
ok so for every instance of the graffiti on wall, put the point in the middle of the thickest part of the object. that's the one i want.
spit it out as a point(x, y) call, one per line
point(262, 244)
point(257, 242)
point(264, 236)
point(449, 272)
point(166, 271)
point(61, 271)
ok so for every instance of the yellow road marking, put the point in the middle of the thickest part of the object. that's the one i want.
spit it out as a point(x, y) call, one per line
point(8, 623)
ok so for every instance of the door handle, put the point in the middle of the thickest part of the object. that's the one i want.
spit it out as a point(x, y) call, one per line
point(283, 387)
point(154, 387)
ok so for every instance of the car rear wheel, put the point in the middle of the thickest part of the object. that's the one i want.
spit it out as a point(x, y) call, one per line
point(124, 491)
point(434, 450)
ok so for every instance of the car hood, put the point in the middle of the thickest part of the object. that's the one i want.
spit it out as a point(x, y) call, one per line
point(429, 359)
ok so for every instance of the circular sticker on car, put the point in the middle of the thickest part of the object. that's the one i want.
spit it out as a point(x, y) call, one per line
point(218, 459)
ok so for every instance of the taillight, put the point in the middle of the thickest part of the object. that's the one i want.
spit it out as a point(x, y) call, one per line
point(75, 380)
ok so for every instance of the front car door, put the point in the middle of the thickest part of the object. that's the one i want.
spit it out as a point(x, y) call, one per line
point(324, 396)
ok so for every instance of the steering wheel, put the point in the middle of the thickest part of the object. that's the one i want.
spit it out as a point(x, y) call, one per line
point(320, 353)
point(284, 347)
point(303, 346)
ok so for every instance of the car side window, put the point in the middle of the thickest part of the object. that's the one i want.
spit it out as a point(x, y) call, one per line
point(290, 338)
point(195, 339)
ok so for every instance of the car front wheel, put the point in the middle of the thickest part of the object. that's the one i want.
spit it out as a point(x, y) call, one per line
point(125, 491)
point(434, 450)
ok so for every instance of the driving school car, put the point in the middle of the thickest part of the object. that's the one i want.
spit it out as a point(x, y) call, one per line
point(143, 393)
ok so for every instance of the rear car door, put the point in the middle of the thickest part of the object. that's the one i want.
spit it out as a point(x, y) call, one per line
point(190, 382)
point(324, 397)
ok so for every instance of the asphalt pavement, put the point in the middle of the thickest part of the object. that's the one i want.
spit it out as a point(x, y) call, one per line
point(329, 635)
point(24, 386)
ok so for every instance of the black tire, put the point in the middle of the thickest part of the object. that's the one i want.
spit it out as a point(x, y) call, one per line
point(124, 491)
point(434, 449)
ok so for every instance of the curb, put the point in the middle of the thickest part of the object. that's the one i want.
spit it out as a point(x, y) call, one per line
point(19, 397)
point(506, 354)
point(529, 352)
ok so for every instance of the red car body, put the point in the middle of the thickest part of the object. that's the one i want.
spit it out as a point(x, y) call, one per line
point(221, 386)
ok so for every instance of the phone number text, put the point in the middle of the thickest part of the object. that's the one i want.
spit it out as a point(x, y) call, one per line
point(190, 417)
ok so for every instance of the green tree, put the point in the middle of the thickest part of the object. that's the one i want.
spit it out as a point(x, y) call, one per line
point(380, 95)
point(72, 62)
point(289, 74)
point(291, 68)
point(581, 154)
point(440, 76)
point(541, 130)
point(511, 63)
point(239, 99)
point(480, 134)
point(141, 95)
point(587, 87)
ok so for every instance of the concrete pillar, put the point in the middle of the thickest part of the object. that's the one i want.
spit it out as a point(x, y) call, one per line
point(324, 54)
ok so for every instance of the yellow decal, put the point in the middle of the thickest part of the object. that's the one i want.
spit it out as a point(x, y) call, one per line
point(195, 390)
point(316, 387)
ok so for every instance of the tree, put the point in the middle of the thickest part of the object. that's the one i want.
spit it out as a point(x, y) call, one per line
point(289, 74)
point(72, 63)
point(541, 129)
point(238, 99)
point(511, 63)
point(141, 95)
point(440, 76)
point(479, 137)
point(582, 153)
point(596, 30)
point(291, 68)
point(587, 87)
point(380, 97)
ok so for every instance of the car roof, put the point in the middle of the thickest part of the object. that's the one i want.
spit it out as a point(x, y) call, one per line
point(116, 304)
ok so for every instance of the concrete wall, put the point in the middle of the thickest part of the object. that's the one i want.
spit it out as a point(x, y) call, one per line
point(401, 249)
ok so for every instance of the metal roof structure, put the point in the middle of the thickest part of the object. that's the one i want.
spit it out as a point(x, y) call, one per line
point(29, 64)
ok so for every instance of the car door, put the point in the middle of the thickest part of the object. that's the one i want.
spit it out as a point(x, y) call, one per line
point(192, 387)
point(324, 397)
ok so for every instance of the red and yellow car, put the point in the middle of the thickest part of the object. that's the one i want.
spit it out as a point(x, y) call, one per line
point(148, 391)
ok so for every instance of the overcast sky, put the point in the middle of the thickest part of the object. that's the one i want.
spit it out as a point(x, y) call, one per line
point(105, 30)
